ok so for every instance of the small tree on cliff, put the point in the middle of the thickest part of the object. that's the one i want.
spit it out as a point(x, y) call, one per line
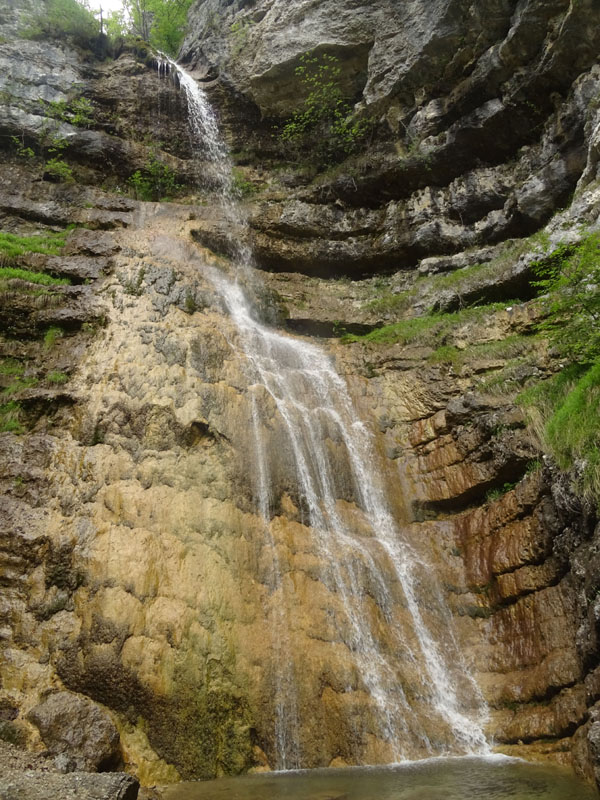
point(323, 124)
point(65, 18)
point(161, 23)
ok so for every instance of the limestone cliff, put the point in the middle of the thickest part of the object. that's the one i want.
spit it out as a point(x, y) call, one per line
point(136, 580)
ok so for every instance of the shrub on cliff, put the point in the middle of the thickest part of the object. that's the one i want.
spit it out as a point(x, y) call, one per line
point(65, 18)
point(323, 124)
point(156, 181)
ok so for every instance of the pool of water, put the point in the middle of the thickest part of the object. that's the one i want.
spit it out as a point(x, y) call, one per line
point(494, 778)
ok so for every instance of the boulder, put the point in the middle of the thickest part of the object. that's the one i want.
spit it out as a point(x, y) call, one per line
point(79, 732)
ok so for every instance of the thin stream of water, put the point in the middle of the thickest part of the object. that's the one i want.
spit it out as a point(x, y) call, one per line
point(325, 438)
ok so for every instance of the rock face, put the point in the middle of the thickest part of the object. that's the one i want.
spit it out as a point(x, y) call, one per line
point(137, 583)
point(134, 116)
point(483, 112)
point(35, 777)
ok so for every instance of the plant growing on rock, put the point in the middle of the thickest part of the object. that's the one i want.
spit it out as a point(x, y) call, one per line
point(58, 170)
point(570, 280)
point(23, 151)
point(241, 185)
point(78, 112)
point(64, 18)
point(52, 335)
point(565, 410)
point(49, 243)
point(240, 30)
point(10, 418)
point(323, 123)
point(56, 377)
point(161, 23)
point(50, 144)
point(156, 181)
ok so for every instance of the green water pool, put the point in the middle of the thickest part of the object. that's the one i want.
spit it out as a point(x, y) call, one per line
point(494, 778)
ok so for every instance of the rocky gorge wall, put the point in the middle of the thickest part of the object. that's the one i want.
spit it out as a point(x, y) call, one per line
point(135, 579)
point(487, 121)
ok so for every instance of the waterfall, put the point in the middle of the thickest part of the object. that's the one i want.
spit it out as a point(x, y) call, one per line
point(381, 599)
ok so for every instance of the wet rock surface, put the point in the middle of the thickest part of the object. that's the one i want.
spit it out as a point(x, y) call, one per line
point(509, 535)
point(135, 576)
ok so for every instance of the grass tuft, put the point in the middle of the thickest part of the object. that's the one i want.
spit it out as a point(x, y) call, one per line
point(41, 278)
point(12, 245)
point(564, 411)
point(430, 330)
point(58, 378)
point(9, 418)
point(52, 335)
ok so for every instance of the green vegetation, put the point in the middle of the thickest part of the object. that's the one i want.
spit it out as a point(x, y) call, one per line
point(18, 384)
point(11, 366)
point(239, 34)
point(190, 303)
point(59, 170)
point(52, 335)
point(241, 185)
point(14, 273)
point(161, 23)
point(324, 123)
point(156, 181)
point(496, 494)
point(58, 378)
point(49, 146)
point(517, 374)
point(570, 279)
point(10, 418)
point(510, 348)
point(564, 410)
point(533, 466)
point(64, 18)
point(78, 112)
point(23, 151)
point(136, 287)
point(430, 330)
point(462, 281)
point(12, 246)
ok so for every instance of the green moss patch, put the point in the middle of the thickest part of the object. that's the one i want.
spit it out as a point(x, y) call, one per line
point(17, 385)
point(510, 349)
point(57, 378)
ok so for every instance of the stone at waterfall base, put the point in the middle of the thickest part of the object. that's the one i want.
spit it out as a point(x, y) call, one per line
point(27, 776)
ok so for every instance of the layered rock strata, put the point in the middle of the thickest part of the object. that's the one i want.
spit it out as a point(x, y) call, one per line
point(484, 117)
point(135, 576)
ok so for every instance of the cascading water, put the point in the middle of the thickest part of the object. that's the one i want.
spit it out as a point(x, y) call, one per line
point(383, 603)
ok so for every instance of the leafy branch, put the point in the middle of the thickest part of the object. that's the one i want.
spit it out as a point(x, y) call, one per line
point(324, 124)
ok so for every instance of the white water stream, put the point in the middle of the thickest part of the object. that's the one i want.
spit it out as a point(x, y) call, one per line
point(372, 572)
